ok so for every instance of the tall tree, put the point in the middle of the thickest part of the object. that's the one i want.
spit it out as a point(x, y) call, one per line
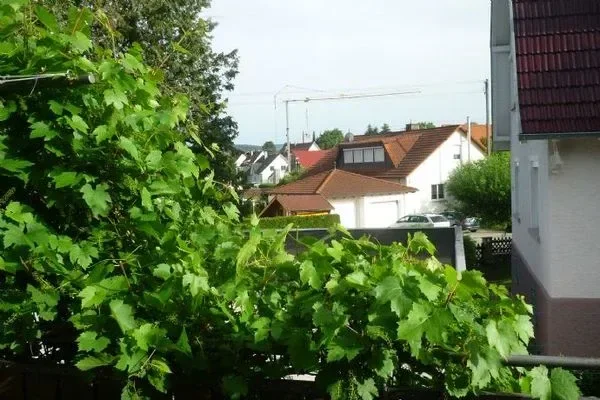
point(269, 147)
point(372, 130)
point(385, 128)
point(174, 38)
point(482, 189)
point(330, 138)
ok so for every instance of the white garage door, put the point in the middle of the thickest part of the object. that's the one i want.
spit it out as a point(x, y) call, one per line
point(381, 214)
point(346, 209)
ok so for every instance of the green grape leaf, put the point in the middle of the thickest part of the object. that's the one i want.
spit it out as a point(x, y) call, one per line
point(47, 19)
point(78, 124)
point(196, 283)
point(88, 341)
point(162, 271)
point(66, 179)
point(411, 330)
point(309, 275)
point(564, 385)
point(116, 98)
point(367, 389)
point(541, 387)
point(149, 335)
point(42, 130)
point(91, 362)
point(123, 314)
point(147, 200)
point(98, 199)
point(183, 344)
point(262, 327)
point(357, 279)
point(126, 144)
point(103, 133)
point(390, 290)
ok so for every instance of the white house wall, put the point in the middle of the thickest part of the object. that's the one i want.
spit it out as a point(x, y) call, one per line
point(369, 211)
point(347, 210)
point(574, 252)
point(435, 170)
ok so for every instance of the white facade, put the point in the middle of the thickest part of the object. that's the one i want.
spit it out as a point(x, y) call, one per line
point(435, 170)
point(274, 172)
point(240, 160)
point(555, 190)
point(369, 211)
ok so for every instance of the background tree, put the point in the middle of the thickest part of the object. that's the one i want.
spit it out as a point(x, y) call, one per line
point(269, 147)
point(174, 38)
point(330, 138)
point(482, 189)
point(372, 130)
point(385, 128)
point(425, 125)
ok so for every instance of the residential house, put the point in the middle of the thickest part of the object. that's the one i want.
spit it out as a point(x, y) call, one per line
point(546, 110)
point(269, 170)
point(419, 158)
point(360, 201)
point(308, 146)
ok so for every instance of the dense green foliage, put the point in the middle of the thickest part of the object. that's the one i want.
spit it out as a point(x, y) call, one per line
point(425, 125)
point(292, 176)
point(301, 222)
point(330, 138)
point(482, 189)
point(173, 36)
point(120, 253)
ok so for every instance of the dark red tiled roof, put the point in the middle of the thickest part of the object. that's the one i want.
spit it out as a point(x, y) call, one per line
point(558, 65)
point(338, 183)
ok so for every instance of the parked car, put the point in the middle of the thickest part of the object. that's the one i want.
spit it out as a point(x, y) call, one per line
point(422, 221)
point(471, 224)
point(455, 218)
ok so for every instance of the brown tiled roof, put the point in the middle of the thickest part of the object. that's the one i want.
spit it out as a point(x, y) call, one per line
point(326, 163)
point(303, 202)
point(338, 183)
point(558, 65)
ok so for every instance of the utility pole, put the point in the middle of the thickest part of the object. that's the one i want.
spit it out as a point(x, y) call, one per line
point(488, 131)
point(287, 134)
point(468, 139)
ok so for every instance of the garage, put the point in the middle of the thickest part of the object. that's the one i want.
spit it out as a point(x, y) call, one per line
point(381, 214)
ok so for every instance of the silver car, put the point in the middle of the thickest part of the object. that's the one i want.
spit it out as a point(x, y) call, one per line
point(422, 221)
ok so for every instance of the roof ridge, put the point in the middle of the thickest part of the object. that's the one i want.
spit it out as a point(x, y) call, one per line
point(324, 181)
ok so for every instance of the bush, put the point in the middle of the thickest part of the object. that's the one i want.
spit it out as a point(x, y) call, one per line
point(301, 222)
point(483, 189)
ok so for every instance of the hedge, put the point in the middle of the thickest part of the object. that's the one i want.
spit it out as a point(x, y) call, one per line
point(300, 221)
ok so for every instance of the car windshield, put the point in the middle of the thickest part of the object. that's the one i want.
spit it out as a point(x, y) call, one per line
point(437, 218)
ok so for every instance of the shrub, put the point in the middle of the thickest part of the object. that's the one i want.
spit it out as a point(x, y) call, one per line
point(482, 189)
point(301, 222)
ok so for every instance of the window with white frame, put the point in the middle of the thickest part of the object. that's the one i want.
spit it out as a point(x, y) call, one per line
point(437, 192)
point(364, 155)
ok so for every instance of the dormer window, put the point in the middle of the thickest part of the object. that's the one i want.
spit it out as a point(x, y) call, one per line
point(364, 155)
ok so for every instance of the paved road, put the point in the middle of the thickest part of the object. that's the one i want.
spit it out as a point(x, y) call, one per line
point(482, 233)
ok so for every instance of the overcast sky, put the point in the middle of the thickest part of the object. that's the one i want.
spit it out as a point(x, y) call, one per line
point(438, 48)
